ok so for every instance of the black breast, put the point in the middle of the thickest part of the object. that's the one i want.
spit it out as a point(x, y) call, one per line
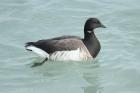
point(93, 46)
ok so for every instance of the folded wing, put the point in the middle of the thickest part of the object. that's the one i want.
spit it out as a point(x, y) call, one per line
point(59, 44)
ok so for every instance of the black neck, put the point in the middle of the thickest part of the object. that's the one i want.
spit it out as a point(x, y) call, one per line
point(91, 43)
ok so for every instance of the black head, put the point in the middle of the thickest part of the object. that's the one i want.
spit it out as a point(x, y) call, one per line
point(93, 23)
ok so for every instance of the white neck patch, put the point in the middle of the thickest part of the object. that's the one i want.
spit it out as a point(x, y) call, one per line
point(89, 31)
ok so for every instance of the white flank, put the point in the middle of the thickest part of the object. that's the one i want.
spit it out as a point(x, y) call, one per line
point(38, 51)
point(73, 55)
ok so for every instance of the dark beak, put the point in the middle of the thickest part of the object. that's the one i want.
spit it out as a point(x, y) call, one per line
point(103, 26)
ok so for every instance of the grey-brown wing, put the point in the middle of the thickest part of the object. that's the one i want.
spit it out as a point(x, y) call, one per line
point(51, 45)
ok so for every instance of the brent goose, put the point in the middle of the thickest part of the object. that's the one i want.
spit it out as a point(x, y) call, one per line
point(69, 48)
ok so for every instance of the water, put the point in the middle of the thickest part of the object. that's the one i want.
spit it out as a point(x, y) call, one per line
point(115, 70)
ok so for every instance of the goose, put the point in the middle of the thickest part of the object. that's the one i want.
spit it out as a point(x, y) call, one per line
point(69, 48)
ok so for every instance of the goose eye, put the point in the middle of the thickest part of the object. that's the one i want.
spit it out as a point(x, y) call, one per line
point(96, 22)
